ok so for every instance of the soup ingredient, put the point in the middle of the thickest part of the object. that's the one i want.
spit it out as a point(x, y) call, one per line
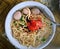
point(34, 25)
point(15, 23)
point(51, 24)
point(35, 11)
point(22, 20)
point(27, 12)
point(43, 39)
point(17, 15)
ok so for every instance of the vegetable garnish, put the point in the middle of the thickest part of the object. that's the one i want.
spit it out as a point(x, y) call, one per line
point(51, 24)
point(43, 39)
point(22, 18)
point(34, 25)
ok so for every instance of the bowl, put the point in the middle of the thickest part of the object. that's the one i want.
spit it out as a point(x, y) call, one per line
point(9, 17)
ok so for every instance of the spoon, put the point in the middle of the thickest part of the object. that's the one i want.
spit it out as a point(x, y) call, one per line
point(46, 12)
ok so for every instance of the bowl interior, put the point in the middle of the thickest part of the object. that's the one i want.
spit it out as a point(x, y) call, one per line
point(9, 18)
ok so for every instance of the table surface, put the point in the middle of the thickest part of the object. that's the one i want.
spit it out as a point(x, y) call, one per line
point(5, 6)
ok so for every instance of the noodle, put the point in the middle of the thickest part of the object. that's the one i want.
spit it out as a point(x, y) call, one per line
point(30, 38)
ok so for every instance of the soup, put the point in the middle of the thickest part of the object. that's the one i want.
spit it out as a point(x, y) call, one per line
point(30, 26)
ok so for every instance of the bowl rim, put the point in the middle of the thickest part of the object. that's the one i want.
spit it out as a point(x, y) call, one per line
point(7, 26)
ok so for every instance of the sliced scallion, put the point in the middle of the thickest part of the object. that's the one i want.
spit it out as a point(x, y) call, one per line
point(43, 39)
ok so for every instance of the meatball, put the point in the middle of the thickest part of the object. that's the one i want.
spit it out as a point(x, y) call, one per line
point(17, 15)
point(35, 11)
point(26, 11)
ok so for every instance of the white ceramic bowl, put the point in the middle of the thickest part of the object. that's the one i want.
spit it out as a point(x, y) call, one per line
point(9, 18)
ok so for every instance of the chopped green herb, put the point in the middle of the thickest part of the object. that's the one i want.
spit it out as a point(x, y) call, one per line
point(43, 39)
point(20, 25)
point(44, 17)
point(15, 24)
point(22, 22)
point(51, 24)
point(47, 22)
point(22, 18)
